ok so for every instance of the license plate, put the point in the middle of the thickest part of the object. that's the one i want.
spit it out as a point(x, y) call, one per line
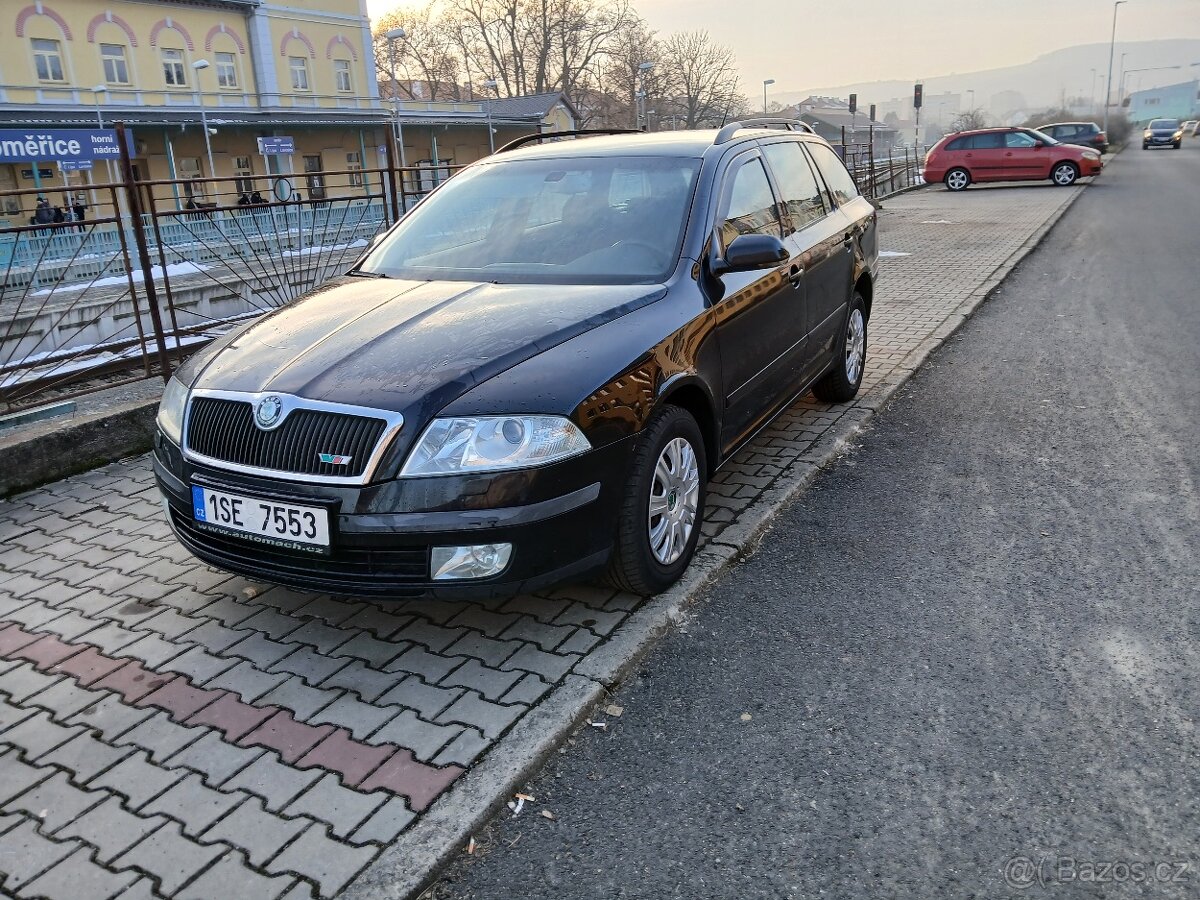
point(263, 521)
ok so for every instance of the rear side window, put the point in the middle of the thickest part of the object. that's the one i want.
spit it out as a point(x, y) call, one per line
point(992, 140)
point(798, 186)
point(959, 143)
point(751, 205)
point(837, 179)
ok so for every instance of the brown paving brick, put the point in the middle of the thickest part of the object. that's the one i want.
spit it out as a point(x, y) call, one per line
point(352, 759)
point(13, 638)
point(133, 682)
point(403, 774)
point(282, 733)
point(89, 665)
point(233, 716)
point(46, 651)
point(180, 699)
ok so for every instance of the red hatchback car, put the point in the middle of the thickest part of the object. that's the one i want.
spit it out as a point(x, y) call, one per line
point(1007, 154)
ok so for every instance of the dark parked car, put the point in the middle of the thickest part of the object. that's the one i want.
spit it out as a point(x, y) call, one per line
point(1007, 154)
point(532, 375)
point(1085, 134)
point(1162, 133)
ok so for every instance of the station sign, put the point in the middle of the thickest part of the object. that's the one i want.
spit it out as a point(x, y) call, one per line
point(276, 146)
point(58, 144)
point(75, 165)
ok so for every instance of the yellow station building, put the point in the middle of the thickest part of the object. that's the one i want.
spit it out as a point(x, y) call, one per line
point(303, 68)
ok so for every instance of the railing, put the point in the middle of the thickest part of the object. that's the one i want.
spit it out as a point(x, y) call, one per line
point(88, 304)
point(880, 175)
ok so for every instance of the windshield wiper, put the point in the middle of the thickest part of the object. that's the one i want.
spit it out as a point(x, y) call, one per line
point(362, 274)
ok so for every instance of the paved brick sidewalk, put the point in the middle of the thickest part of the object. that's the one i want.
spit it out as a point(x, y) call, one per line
point(169, 730)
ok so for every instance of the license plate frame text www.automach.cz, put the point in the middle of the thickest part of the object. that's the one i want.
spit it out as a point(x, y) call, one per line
point(261, 520)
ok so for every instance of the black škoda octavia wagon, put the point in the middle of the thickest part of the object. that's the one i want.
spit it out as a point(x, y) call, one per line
point(532, 375)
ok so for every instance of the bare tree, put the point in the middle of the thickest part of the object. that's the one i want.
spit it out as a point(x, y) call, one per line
point(623, 76)
point(427, 55)
point(705, 83)
point(968, 120)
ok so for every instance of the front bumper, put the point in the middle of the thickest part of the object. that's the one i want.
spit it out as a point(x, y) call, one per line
point(560, 520)
point(1090, 167)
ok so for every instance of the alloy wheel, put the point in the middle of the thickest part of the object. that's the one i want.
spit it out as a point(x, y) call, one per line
point(1064, 175)
point(957, 180)
point(856, 343)
point(674, 498)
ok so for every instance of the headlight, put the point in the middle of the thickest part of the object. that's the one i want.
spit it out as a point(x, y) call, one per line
point(1090, 154)
point(493, 444)
point(1178, 135)
point(170, 409)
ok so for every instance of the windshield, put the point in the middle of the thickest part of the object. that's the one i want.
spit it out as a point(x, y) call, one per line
point(1160, 124)
point(599, 220)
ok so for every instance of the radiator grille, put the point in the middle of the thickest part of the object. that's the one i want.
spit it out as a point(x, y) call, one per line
point(224, 430)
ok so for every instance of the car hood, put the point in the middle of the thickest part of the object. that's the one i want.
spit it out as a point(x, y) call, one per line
point(409, 346)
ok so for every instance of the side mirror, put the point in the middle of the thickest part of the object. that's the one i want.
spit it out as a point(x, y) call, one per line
point(1038, 144)
point(748, 252)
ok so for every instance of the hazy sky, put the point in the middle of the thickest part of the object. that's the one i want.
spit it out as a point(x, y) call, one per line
point(814, 43)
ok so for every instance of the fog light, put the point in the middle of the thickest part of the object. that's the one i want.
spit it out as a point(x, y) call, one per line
point(478, 561)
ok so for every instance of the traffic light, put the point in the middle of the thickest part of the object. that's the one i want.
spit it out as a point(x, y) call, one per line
point(872, 115)
point(918, 91)
point(853, 103)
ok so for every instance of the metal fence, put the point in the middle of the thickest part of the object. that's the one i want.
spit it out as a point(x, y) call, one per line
point(879, 172)
point(167, 265)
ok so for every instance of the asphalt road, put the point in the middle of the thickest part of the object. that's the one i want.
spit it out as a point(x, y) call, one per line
point(976, 638)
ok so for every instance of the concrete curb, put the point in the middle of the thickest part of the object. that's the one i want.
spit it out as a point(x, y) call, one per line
point(55, 450)
point(412, 862)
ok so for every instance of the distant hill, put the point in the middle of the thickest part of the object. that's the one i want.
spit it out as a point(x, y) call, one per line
point(1041, 83)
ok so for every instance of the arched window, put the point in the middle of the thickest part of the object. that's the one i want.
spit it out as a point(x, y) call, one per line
point(46, 31)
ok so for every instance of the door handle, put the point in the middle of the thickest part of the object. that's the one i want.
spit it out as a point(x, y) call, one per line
point(795, 276)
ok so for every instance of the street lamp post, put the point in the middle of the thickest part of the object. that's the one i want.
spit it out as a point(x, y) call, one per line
point(766, 83)
point(200, 65)
point(640, 94)
point(492, 85)
point(392, 35)
point(112, 177)
point(1128, 72)
point(1112, 44)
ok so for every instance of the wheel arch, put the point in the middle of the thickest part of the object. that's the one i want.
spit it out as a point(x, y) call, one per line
point(1070, 162)
point(691, 394)
point(865, 287)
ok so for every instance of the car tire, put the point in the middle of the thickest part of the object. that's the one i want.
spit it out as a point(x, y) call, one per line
point(841, 383)
point(1145, 146)
point(1175, 146)
point(1064, 174)
point(957, 179)
point(669, 471)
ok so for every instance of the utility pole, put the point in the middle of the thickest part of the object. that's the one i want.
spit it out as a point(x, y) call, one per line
point(1112, 44)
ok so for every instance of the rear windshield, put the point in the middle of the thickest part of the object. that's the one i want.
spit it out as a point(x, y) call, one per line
point(602, 220)
point(1165, 123)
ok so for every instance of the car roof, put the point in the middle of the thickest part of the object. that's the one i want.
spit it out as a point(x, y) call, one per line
point(689, 144)
point(985, 130)
point(1056, 124)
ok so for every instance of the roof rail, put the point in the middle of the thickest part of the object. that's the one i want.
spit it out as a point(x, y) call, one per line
point(547, 135)
point(727, 133)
